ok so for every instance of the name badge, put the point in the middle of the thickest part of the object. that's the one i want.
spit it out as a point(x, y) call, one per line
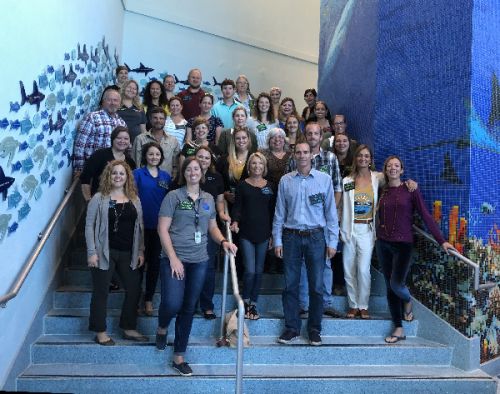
point(186, 205)
point(180, 126)
point(163, 184)
point(349, 186)
point(266, 190)
point(324, 168)
point(315, 199)
point(261, 127)
point(197, 237)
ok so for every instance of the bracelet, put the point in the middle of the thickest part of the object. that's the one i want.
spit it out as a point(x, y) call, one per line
point(223, 240)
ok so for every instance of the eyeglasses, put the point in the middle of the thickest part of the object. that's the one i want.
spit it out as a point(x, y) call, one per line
point(339, 123)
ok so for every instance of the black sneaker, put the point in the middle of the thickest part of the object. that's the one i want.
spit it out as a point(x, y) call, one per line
point(314, 338)
point(303, 313)
point(183, 368)
point(161, 341)
point(288, 336)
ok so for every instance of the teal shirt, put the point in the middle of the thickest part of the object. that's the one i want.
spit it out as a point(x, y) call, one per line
point(225, 112)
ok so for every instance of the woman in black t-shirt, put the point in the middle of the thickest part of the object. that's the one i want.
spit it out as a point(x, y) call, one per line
point(252, 218)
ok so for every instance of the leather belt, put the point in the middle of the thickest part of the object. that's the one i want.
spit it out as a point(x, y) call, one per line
point(365, 221)
point(303, 233)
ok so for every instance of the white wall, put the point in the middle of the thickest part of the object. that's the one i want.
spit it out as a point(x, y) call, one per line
point(274, 43)
point(33, 36)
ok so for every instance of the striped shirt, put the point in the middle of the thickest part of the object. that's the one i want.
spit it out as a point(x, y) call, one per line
point(94, 133)
point(306, 202)
point(261, 130)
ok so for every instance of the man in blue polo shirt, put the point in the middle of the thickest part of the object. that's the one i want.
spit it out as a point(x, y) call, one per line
point(225, 107)
point(305, 225)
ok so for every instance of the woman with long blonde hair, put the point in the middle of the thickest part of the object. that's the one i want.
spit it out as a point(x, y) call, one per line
point(114, 233)
point(131, 109)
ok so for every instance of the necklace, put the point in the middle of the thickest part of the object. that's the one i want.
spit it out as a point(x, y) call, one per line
point(193, 195)
point(394, 218)
point(117, 215)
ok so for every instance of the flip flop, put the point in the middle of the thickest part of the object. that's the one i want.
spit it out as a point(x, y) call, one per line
point(394, 338)
point(408, 312)
point(108, 342)
point(408, 316)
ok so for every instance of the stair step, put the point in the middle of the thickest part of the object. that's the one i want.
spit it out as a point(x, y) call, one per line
point(80, 298)
point(202, 385)
point(80, 276)
point(75, 321)
point(335, 351)
point(253, 370)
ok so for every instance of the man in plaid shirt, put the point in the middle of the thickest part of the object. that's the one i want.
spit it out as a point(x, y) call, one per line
point(95, 130)
point(324, 161)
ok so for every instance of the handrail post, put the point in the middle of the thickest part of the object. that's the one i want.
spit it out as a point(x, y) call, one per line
point(239, 359)
point(230, 266)
point(224, 296)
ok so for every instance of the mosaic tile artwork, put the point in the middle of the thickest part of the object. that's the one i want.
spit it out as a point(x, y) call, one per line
point(38, 129)
point(420, 80)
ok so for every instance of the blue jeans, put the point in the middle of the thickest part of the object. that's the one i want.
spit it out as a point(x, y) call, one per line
point(178, 299)
point(254, 255)
point(311, 248)
point(207, 293)
point(327, 286)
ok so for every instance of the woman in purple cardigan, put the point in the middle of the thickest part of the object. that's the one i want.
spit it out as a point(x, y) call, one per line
point(395, 241)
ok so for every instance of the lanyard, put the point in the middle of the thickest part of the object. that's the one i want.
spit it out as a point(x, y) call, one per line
point(196, 212)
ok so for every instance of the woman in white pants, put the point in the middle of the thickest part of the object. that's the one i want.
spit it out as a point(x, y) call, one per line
point(359, 202)
point(357, 228)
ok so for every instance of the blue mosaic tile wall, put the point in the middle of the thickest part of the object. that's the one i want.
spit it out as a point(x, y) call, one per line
point(347, 62)
point(436, 103)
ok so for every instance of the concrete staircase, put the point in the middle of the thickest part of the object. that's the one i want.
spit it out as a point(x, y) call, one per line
point(353, 358)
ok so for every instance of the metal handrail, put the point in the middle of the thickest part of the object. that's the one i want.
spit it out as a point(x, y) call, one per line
point(229, 261)
point(461, 257)
point(42, 239)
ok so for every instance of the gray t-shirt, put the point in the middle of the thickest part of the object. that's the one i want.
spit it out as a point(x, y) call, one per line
point(184, 212)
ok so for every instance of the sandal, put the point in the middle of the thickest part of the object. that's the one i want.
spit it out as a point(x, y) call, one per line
point(108, 342)
point(363, 313)
point(252, 313)
point(353, 312)
point(408, 312)
point(394, 338)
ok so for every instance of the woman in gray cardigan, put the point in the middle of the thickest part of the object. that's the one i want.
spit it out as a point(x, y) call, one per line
point(114, 233)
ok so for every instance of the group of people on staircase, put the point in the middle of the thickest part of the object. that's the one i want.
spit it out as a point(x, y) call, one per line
point(160, 178)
